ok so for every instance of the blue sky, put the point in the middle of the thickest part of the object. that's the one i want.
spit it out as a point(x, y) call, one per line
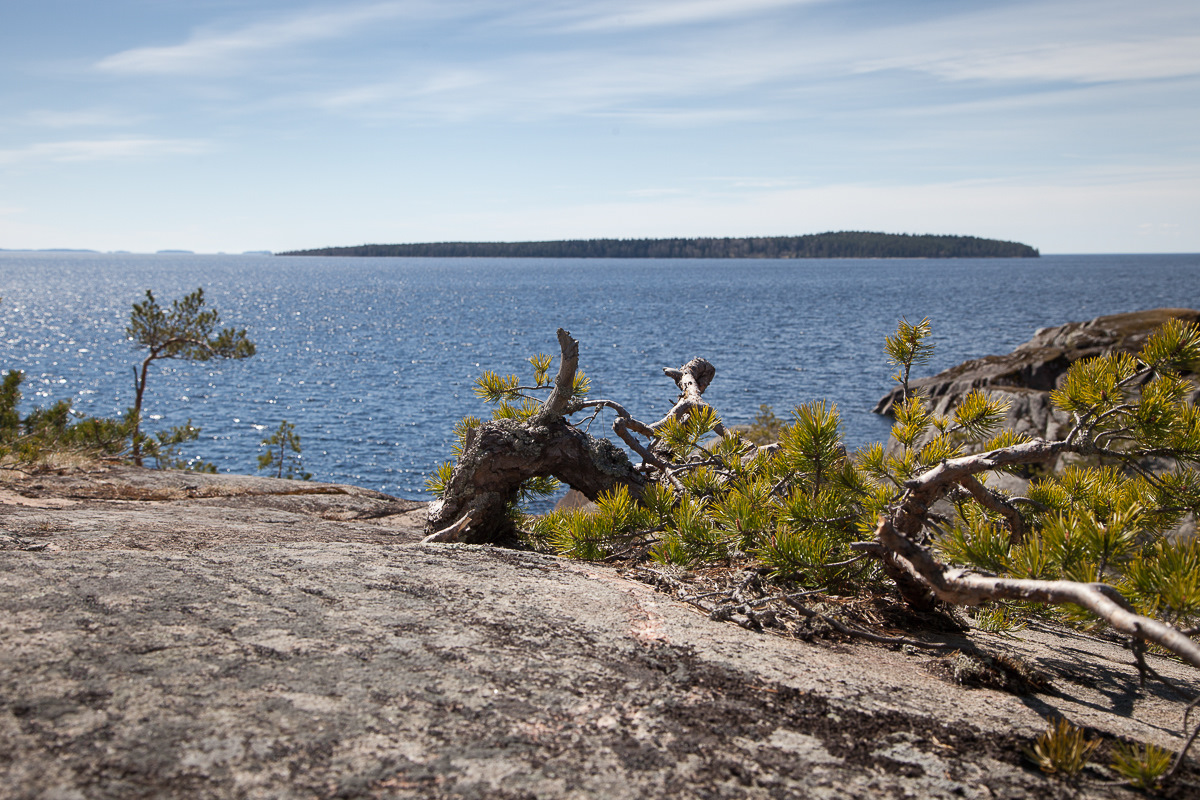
point(230, 125)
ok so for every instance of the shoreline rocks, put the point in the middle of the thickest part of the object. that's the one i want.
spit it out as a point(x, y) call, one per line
point(1026, 376)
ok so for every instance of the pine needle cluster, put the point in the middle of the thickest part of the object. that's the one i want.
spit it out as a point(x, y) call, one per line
point(1104, 519)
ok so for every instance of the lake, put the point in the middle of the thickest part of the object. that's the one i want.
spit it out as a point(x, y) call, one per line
point(373, 360)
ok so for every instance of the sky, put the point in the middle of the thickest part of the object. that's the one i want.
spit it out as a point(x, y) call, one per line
point(235, 125)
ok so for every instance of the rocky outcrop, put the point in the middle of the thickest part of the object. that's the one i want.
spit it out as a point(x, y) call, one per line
point(171, 635)
point(122, 507)
point(1026, 376)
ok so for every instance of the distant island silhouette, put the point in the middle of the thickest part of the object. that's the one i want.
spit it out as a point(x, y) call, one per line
point(842, 244)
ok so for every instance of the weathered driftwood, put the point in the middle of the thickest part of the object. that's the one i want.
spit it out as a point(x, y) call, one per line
point(910, 515)
point(923, 580)
point(503, 454)
point(499, 455)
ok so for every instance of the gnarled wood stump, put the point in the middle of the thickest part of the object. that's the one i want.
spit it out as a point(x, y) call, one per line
point(499, 455)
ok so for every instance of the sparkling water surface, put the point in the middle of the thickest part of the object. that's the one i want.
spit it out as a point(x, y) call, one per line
point(373, 360)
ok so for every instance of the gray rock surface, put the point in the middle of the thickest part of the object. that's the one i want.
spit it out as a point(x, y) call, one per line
point(219, 646)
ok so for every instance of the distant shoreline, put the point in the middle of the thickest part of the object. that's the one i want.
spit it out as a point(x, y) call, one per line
point(842, 244)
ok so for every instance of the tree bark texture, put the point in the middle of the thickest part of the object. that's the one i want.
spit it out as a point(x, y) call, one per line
point(501, 454)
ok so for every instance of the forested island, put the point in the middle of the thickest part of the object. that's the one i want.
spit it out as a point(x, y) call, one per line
point(842, 244)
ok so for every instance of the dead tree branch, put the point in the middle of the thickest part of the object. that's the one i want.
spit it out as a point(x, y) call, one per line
point(564, 383)
point(503, 453)
point(965, 588)
point(910, 516)
point(997, 504)
point(692, 379)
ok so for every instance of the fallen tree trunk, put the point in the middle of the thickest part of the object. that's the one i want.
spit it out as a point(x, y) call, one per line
point(910, 515)
point(960, 587)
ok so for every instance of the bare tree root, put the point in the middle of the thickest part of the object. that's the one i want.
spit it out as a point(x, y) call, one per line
point(450, 533)
point(504, 453)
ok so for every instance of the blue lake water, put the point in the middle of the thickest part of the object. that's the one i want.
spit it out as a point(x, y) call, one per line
point(373, 360)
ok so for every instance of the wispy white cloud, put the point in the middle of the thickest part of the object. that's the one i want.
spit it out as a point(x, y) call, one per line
point(1082, 62)
point(417, 84)
point(648, 87)
point(1160, 230)
point(102, 150)
point(724, 60)
point(753, 183)
point(1080, 41)
point(655, 192)
point(85, 118)
point(221, 52)
point(631, 15)
point(747, 68)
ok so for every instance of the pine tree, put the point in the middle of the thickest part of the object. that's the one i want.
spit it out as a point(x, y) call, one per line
point(1088, 542)
point(283, 453)
point(186, 331)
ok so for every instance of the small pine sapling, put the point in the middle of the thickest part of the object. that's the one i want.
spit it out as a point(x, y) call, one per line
point(1062, 749)
point(283, 453)
point(54, 430)
point(1143, 765)
point(907, 348)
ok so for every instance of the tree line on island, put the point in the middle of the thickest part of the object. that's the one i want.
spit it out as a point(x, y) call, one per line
point(843, 244)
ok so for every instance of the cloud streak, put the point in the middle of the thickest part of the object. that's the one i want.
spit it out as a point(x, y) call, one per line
point(629, 16)
point(86, 118)
point(1084, 62)
point(538, 58)
point(743, 66)
point(220, 53)
point(102, 150)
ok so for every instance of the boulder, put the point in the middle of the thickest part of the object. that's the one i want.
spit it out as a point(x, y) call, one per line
point(1025, 377)
point(1034, 368)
